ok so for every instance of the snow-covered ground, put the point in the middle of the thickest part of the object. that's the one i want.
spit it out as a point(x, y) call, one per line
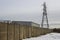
point(51, 36)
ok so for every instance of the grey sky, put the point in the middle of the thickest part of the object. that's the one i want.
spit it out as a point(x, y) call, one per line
point(29, 10)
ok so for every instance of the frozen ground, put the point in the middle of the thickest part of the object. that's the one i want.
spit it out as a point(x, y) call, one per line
point(51, 36)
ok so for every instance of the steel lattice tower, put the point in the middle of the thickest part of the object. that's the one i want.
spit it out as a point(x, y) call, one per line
point(44, 16)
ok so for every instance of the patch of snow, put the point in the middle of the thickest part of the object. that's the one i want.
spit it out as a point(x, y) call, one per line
point(51, 36)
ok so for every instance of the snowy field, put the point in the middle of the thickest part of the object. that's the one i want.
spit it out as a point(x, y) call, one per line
point(51, 36)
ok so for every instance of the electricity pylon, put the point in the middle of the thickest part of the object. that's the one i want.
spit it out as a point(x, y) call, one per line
point(44, 16)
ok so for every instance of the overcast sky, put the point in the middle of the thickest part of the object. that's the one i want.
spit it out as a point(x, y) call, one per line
point(29, 10)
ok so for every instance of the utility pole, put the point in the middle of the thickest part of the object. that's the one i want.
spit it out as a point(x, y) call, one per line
point(44, 16)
